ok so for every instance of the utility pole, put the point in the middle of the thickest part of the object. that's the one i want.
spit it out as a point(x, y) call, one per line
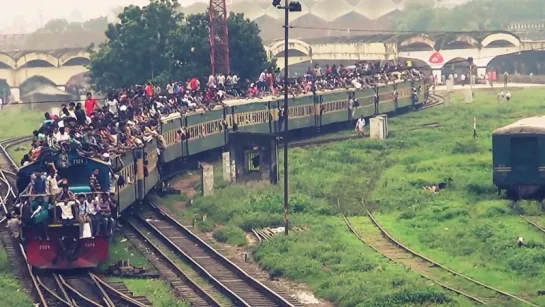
point(293, 6)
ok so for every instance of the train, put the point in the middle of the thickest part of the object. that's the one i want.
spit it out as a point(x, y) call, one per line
point(518, 166)
point(143, 169)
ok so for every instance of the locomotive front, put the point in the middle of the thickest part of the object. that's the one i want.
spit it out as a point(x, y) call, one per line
point(67, 210)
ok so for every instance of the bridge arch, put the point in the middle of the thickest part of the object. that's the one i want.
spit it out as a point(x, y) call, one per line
point(69, 58)
point(37, 56)
point(77, 84)
point(417, 40)
point(457, 65)
point(7, 60)
point(293, 44)
point(461, 41)
point(34, 82)
point(497, 37)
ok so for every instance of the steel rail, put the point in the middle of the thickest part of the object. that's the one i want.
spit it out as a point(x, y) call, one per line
point(418, 255)
point(223, 261)
point(176, 269)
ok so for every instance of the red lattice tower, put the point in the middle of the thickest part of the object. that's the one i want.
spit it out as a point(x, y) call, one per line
point(219, 38)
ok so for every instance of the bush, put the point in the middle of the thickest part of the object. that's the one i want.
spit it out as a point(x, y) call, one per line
point(230, 235)
point(466, 148)
point(206, 226)
point(256, 220)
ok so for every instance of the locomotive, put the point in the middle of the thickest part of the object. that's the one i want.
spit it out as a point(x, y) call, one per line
point(145, 167)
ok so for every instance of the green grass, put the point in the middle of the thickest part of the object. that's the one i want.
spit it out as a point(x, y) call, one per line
point(466, 227)
point(124, 251)
point(15, 121)
point(15, 294)
point(156, 290)
point(17, 152)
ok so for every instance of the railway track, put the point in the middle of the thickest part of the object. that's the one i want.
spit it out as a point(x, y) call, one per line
point(235, 284)
point(184, 285)
point(534, 224)
point(85, 289)
point(52, 289)
point(376, 237)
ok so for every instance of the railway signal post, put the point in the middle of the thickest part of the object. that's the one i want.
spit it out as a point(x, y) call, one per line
point(288, 7)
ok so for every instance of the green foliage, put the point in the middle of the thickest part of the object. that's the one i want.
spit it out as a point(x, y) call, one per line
point(119, 250)
point(10, 285)
point(230, 235)
point(18, 121)
point(465, 226)
point(342, 270)
point(156, 290)
point(206, 226)
point(477, 15)
point(156, 43)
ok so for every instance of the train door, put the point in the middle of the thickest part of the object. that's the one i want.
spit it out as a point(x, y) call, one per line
point(317, 117)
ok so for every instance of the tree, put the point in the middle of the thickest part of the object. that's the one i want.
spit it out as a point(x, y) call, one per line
point(156, 43)
point(136, 46)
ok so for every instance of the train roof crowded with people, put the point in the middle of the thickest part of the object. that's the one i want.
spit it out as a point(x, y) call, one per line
point(128, 119)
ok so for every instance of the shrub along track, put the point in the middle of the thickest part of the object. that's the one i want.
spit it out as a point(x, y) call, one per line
point(375, 236)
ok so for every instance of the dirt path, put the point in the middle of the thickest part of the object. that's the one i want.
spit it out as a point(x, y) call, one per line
point(373, 237)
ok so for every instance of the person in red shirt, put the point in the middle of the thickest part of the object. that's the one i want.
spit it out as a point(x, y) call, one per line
point(90, 104)
point(149, 90)
point(194, 84)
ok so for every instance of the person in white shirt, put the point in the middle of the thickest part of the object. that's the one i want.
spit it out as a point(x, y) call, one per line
point(211, 81)
point(262, 81)
point(356, 84)
point(113, 105)
point(360, 126)
point(221, 81)
point(62, 136)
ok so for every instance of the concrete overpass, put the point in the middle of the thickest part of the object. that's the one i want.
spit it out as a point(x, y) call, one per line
point(426, 50)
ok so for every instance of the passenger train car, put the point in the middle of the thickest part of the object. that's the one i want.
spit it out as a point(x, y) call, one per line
point(519, 166)
point(206, 131)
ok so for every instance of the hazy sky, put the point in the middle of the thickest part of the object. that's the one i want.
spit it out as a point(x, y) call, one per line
point(20, 16)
